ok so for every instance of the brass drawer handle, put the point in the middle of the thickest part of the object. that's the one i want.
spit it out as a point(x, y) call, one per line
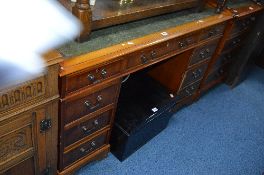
point(144, 59)
point(181, 44)
point(153, 54)
point(202, 55)
point(188, 92)
point(92, 144)
point(91, 78)
point(86, 130)
point(197, 73)
point(214, 32)
point(211, 33)
point(92, 107)
point(104, 73)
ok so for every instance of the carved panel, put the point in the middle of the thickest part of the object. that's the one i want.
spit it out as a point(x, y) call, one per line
point(20, 94)
point(13, 144)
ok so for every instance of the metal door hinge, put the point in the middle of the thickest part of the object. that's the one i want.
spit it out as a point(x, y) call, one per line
point(45, 125)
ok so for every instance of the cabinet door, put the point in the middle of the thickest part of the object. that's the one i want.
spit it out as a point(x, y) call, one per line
point(25, 146)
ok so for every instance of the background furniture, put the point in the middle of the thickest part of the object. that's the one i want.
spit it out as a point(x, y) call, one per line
point(28, 123)
point(106, 13)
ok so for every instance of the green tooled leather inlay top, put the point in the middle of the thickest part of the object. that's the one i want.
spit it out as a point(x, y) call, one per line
point(121, 33)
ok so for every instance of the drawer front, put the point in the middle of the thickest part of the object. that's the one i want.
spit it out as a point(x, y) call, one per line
point(213, 31)
point(86, 128)
point(153, 53)
point(85, 79)
point(148, 55)
point(188, 91)
point(193, 75)
point(16, 141)
point(85, 149)
point(203, 53)
point(242, 25)
point(84, 104)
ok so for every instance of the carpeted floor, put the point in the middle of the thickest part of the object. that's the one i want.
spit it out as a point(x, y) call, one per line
point(222, 134)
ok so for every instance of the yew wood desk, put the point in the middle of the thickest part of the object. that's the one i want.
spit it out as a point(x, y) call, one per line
point(187, 52)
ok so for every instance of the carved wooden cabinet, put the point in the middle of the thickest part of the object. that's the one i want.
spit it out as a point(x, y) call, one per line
point(28, 123)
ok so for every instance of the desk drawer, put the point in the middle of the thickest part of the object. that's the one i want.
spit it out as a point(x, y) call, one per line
point(193, 75)
point(85, 149)
point(157, 51)
point(91, 77)
point(203, 53)
point(87, 128)
point(83, 104)
point(213, 31)
point(149, 54)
